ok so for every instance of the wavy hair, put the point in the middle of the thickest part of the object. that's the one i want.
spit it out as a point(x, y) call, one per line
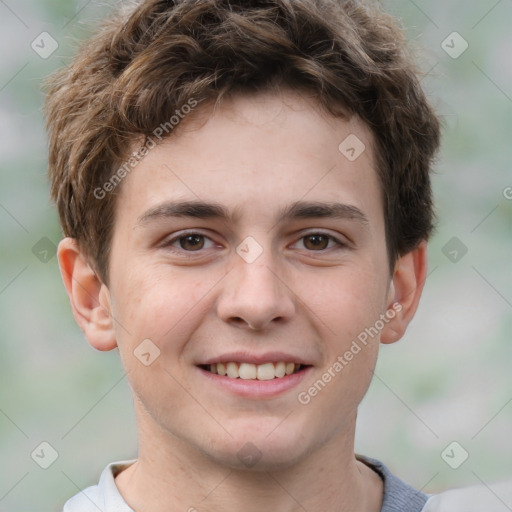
point(147, 61)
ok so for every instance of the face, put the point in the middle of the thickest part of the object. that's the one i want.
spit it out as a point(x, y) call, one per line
point(251, 244)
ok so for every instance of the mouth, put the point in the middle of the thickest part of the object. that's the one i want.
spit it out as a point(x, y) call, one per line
point(250, 371)
point(255, 376)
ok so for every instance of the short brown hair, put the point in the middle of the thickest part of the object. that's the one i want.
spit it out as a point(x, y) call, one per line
point(145, 63)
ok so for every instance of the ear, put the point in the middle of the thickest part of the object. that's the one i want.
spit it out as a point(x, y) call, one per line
point(89, 297)
point(405, 292)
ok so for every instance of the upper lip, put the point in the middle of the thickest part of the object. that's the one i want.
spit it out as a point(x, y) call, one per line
point(266, 357)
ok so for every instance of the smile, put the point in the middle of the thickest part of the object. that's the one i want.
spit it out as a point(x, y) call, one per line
point(249, 371)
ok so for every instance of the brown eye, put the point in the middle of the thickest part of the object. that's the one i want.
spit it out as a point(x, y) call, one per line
point(321, 242)
point(316, 242)
point(183, 244)
point(191, 242)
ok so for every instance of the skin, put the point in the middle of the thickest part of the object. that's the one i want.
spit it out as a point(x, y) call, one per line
point(256, 155)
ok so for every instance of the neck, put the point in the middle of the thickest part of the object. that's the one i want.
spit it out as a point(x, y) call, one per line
point(329, 479)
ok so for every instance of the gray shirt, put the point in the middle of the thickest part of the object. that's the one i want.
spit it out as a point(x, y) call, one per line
point(398, 496)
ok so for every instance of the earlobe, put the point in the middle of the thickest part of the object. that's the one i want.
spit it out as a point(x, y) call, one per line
point(405, 292)
point(89, 297)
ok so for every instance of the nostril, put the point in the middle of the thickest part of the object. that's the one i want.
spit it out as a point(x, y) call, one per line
point(241, 322)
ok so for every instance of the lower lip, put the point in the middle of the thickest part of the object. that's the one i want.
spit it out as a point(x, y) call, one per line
point(253, 388)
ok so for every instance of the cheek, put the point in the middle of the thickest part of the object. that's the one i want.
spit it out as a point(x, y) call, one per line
point(155, 314)
point(346, 300)
point(346, 304)
point(163, 305)
point(355, 304)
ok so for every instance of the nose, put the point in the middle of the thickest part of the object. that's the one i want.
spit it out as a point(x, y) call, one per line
point(256, 295)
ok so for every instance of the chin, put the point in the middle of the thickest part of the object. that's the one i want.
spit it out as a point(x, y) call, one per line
point(252, 459)
point(257, 451)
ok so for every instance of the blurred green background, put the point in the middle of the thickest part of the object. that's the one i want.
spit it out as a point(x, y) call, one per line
point(448, 380)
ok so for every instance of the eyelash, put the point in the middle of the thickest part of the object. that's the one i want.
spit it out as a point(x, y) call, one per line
point(168, 244)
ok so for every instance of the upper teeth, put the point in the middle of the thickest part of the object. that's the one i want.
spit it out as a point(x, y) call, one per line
point(266, 371)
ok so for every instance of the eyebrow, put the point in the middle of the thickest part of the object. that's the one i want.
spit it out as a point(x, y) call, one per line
point(296, 210)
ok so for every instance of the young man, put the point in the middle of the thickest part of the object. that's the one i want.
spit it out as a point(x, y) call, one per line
point(245, 196)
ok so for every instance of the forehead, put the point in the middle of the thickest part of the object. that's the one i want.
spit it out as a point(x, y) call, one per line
point(258, 154)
